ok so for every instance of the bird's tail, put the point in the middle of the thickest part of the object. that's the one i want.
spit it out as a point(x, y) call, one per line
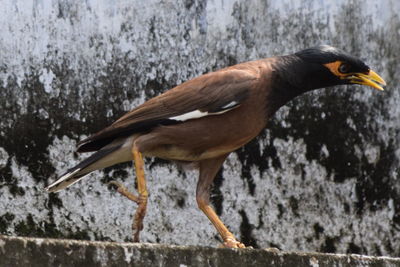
point(103, 158)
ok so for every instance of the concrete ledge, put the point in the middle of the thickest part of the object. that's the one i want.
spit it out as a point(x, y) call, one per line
point(22, 251)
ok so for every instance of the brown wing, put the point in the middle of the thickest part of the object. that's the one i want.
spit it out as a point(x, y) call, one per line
point(208, 94)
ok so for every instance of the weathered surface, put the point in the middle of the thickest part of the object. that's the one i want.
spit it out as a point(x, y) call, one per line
point(22, 251)
point(324, 176)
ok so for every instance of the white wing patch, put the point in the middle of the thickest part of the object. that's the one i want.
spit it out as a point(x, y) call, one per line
point(195, 114)
point(190, 115)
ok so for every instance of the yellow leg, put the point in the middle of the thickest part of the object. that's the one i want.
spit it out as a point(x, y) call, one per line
point(137, 225)
point(208, 170)
point(141, 200)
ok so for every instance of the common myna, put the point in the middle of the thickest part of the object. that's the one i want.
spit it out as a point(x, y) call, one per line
point(208, 117)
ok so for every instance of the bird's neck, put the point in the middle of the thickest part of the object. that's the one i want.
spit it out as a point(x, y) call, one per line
point(291, 78)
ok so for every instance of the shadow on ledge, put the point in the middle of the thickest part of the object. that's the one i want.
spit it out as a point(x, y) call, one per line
point(22, 251)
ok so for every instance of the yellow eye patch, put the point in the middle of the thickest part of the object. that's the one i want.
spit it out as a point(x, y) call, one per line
point(334, 68)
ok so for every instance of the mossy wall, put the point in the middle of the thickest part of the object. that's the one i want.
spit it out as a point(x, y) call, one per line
point(322, 177)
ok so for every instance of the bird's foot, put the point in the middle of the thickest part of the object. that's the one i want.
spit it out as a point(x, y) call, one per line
point(141, 200)
point(231, 242)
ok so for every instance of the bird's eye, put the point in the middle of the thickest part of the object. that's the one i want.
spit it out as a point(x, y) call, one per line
point(344, 68)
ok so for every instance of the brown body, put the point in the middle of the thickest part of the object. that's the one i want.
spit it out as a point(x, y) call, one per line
point(216, 135)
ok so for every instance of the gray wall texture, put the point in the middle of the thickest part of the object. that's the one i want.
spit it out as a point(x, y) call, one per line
point(323, 176)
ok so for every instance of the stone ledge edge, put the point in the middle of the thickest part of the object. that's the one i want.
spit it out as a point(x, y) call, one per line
point(28, 249)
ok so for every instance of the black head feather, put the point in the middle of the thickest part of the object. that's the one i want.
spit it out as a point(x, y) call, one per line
point(324, 54)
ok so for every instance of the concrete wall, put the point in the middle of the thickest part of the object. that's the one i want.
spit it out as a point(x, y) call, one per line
point(19, 251)
point(323, 176)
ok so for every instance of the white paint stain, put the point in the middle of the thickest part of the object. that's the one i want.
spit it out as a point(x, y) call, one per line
point(3, 158)
point(128, 254)
point(46, 78)
point(314, 262)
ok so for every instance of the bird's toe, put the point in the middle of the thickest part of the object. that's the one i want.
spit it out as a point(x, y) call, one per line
point(123, 191)
point(233, 243)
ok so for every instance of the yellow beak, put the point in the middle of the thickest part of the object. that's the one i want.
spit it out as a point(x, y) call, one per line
point(371, 79)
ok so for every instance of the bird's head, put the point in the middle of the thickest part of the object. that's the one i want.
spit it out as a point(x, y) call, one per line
point(324, 66)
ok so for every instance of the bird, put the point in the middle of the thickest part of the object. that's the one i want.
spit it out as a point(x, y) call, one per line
point(204, 119)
